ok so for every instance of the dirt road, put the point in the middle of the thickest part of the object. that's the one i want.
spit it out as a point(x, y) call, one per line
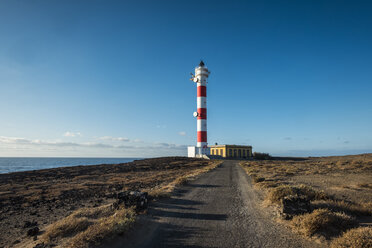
point(219, 209)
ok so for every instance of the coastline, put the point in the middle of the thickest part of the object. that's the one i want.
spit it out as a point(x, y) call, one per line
point(20, 164)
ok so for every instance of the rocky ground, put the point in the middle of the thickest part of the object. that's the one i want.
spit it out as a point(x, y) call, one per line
point(34, 199)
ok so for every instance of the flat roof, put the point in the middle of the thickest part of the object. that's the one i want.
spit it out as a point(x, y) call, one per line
point(230, 146)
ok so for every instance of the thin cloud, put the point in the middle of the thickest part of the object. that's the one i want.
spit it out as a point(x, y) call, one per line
point(13, 140)
point(71, 134)
point(182, 133)
point(109, 138)
point(45, 144)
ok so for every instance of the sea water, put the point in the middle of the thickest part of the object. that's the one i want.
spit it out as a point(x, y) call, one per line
point(25, 164)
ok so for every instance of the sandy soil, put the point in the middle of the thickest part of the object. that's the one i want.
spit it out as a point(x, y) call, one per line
point(44, 196)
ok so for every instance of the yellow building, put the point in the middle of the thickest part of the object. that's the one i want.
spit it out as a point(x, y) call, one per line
point(231, 151)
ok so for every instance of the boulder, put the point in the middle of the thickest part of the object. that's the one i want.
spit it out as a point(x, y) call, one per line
point(294, 205)
point(29, 224)
point(33, 231)
point(42, 245)
point(135, 199)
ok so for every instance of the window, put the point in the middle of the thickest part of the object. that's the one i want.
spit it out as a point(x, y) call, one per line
point(240, 153)
point(230, 153)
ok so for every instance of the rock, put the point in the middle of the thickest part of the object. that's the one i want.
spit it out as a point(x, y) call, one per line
point(132, 198)
point(42, 245)
point(294, 205)
point(33, 231)
point(29, 224)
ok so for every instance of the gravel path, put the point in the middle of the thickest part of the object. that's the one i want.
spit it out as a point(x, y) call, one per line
point(219, 209)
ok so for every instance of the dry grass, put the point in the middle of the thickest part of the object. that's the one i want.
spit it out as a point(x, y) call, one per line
point(339, 190)
point(355, 238)
point(276, 194)
point(365, 185)
point(343, 181)
point(66, 227)
point(363, 209)
point(322, 222)
point(104, 229)
point(89, 226)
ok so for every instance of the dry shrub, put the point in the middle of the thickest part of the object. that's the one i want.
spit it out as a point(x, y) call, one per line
point(66, 227)
point(104, 229)
point(278, 193)
point(159, 193)
point(365, 185)
point(323, 222)
point(181, 180)
point(267, 184)
point(85, 220)
point(363, 209)
point(95, 213)
point(355, 238)
point(261, 156)
point(258, 179)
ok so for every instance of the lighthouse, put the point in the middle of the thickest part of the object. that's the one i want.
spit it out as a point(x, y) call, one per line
point(200, 78)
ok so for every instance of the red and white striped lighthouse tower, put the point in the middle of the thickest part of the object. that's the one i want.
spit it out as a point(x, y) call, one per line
point(200, 78)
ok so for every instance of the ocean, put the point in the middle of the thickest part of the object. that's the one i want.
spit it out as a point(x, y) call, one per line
point(25, 164)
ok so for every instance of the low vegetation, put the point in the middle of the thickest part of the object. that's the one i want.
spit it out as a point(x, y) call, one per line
point(323, 222)
point(278, 193)
point(261, 156)
point(338, 189)
point(88, 226)
point(354, 238)
point(355, 209)
point(104, 229)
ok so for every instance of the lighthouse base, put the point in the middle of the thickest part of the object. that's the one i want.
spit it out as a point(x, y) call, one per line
point(198, 152)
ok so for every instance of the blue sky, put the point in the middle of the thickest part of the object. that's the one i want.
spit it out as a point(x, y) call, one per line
point(111, 78)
